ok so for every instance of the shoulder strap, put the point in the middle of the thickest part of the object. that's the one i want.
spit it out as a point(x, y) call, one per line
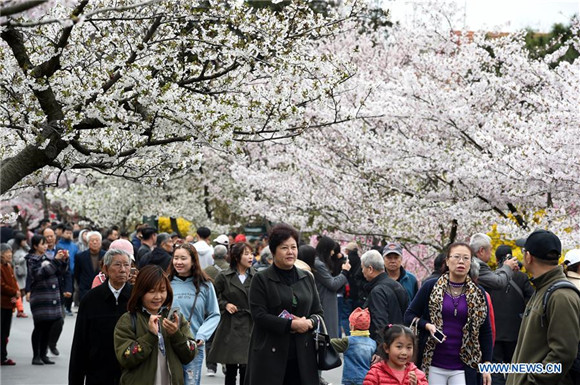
point(555, 286)
point(193, 307)
point(517, 288)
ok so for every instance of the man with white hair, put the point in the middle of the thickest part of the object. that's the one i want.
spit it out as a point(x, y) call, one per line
point(87, 263)
point(386, 300)
point(93, 356)
point(220, 252)
point(491, 280)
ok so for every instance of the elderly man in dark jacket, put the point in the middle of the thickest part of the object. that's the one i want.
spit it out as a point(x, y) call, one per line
point(87, 263)
point(92, 356)
point(491, 280)
point(387, 300)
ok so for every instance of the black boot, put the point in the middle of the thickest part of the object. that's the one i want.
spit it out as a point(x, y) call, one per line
point(46, 360)
point(37, 361)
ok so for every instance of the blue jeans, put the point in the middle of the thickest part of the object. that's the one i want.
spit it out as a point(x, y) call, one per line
point(192, 371)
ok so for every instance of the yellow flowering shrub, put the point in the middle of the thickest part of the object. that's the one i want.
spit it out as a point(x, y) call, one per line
point(185, 227)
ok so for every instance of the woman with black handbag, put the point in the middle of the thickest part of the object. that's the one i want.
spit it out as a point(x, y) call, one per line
point(284, 303)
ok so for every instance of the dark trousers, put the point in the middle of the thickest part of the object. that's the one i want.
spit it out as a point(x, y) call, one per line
point(5, 322)
point(56, 330)
point(40, 337)
point(208, 364)
point(232, 371)
point(503, 351)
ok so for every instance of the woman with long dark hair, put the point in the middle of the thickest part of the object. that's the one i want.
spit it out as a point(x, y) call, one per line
point(152, 342)
point(232, 338)
point(194, 295)
point(327, 285)
point(45, 297)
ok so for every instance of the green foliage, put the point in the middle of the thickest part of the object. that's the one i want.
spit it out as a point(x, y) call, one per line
point(542, 44)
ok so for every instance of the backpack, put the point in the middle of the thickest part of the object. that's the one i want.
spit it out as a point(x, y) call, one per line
point(555, 286)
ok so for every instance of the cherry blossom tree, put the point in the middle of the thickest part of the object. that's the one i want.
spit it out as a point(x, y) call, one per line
point(435, 135)
point(463, 131)
point(135, 88)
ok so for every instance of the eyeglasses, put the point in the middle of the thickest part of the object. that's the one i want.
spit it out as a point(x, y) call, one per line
point(457, 257)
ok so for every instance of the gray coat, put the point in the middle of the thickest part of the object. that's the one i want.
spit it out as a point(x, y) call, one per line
point(328, 286)
point(20, 268)
point(493, 280)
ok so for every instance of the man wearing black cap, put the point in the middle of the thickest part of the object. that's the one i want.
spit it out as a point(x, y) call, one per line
point(553, 337)
point(509, 304)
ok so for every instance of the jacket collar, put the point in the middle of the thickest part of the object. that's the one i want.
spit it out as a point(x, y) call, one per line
point(573, 275)
point(222, 263)
point(548, 278)
point(402, 273)
point(125, 291)
point(236, 281)
point(382, 277)
point(271, 274)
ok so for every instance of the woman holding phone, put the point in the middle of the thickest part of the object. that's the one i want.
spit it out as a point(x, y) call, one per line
point(194, 295)
point(152, 342)
point(452, 314)
point(45, 298)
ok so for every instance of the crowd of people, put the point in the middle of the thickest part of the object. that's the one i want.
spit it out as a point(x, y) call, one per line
point(152, 307)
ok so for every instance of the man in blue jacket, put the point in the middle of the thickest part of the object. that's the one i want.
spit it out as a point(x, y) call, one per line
point(393, 256)
point(66, 243)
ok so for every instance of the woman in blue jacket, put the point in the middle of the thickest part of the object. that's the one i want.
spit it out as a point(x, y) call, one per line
point(194, 295)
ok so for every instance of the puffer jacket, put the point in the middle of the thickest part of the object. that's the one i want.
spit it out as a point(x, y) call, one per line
point(382, 374)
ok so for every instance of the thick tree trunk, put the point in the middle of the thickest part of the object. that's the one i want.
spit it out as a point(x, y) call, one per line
point(27, 161)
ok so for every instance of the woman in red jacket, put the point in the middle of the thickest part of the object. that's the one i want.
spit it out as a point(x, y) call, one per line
point(397, 367)
point(10, 294)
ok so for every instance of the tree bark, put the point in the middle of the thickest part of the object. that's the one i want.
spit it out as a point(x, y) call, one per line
point(26, 162)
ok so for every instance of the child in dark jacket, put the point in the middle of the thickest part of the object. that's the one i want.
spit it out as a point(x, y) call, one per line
point(358, 348)
point(397, 367)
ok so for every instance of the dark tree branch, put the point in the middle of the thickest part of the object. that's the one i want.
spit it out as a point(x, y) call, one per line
point(20, 7)
point(203, 77)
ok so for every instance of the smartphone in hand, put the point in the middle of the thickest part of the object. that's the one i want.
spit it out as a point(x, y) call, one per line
point(439, 336)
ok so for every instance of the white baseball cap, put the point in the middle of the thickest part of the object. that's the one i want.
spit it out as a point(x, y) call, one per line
point(572, 257)
point(222, 240)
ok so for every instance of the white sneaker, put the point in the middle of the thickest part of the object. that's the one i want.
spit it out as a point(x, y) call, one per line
point(211, 373)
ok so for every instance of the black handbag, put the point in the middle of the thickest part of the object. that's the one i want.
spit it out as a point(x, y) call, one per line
point(327, 358)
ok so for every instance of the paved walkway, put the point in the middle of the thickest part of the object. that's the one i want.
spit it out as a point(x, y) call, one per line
point(24, 373)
